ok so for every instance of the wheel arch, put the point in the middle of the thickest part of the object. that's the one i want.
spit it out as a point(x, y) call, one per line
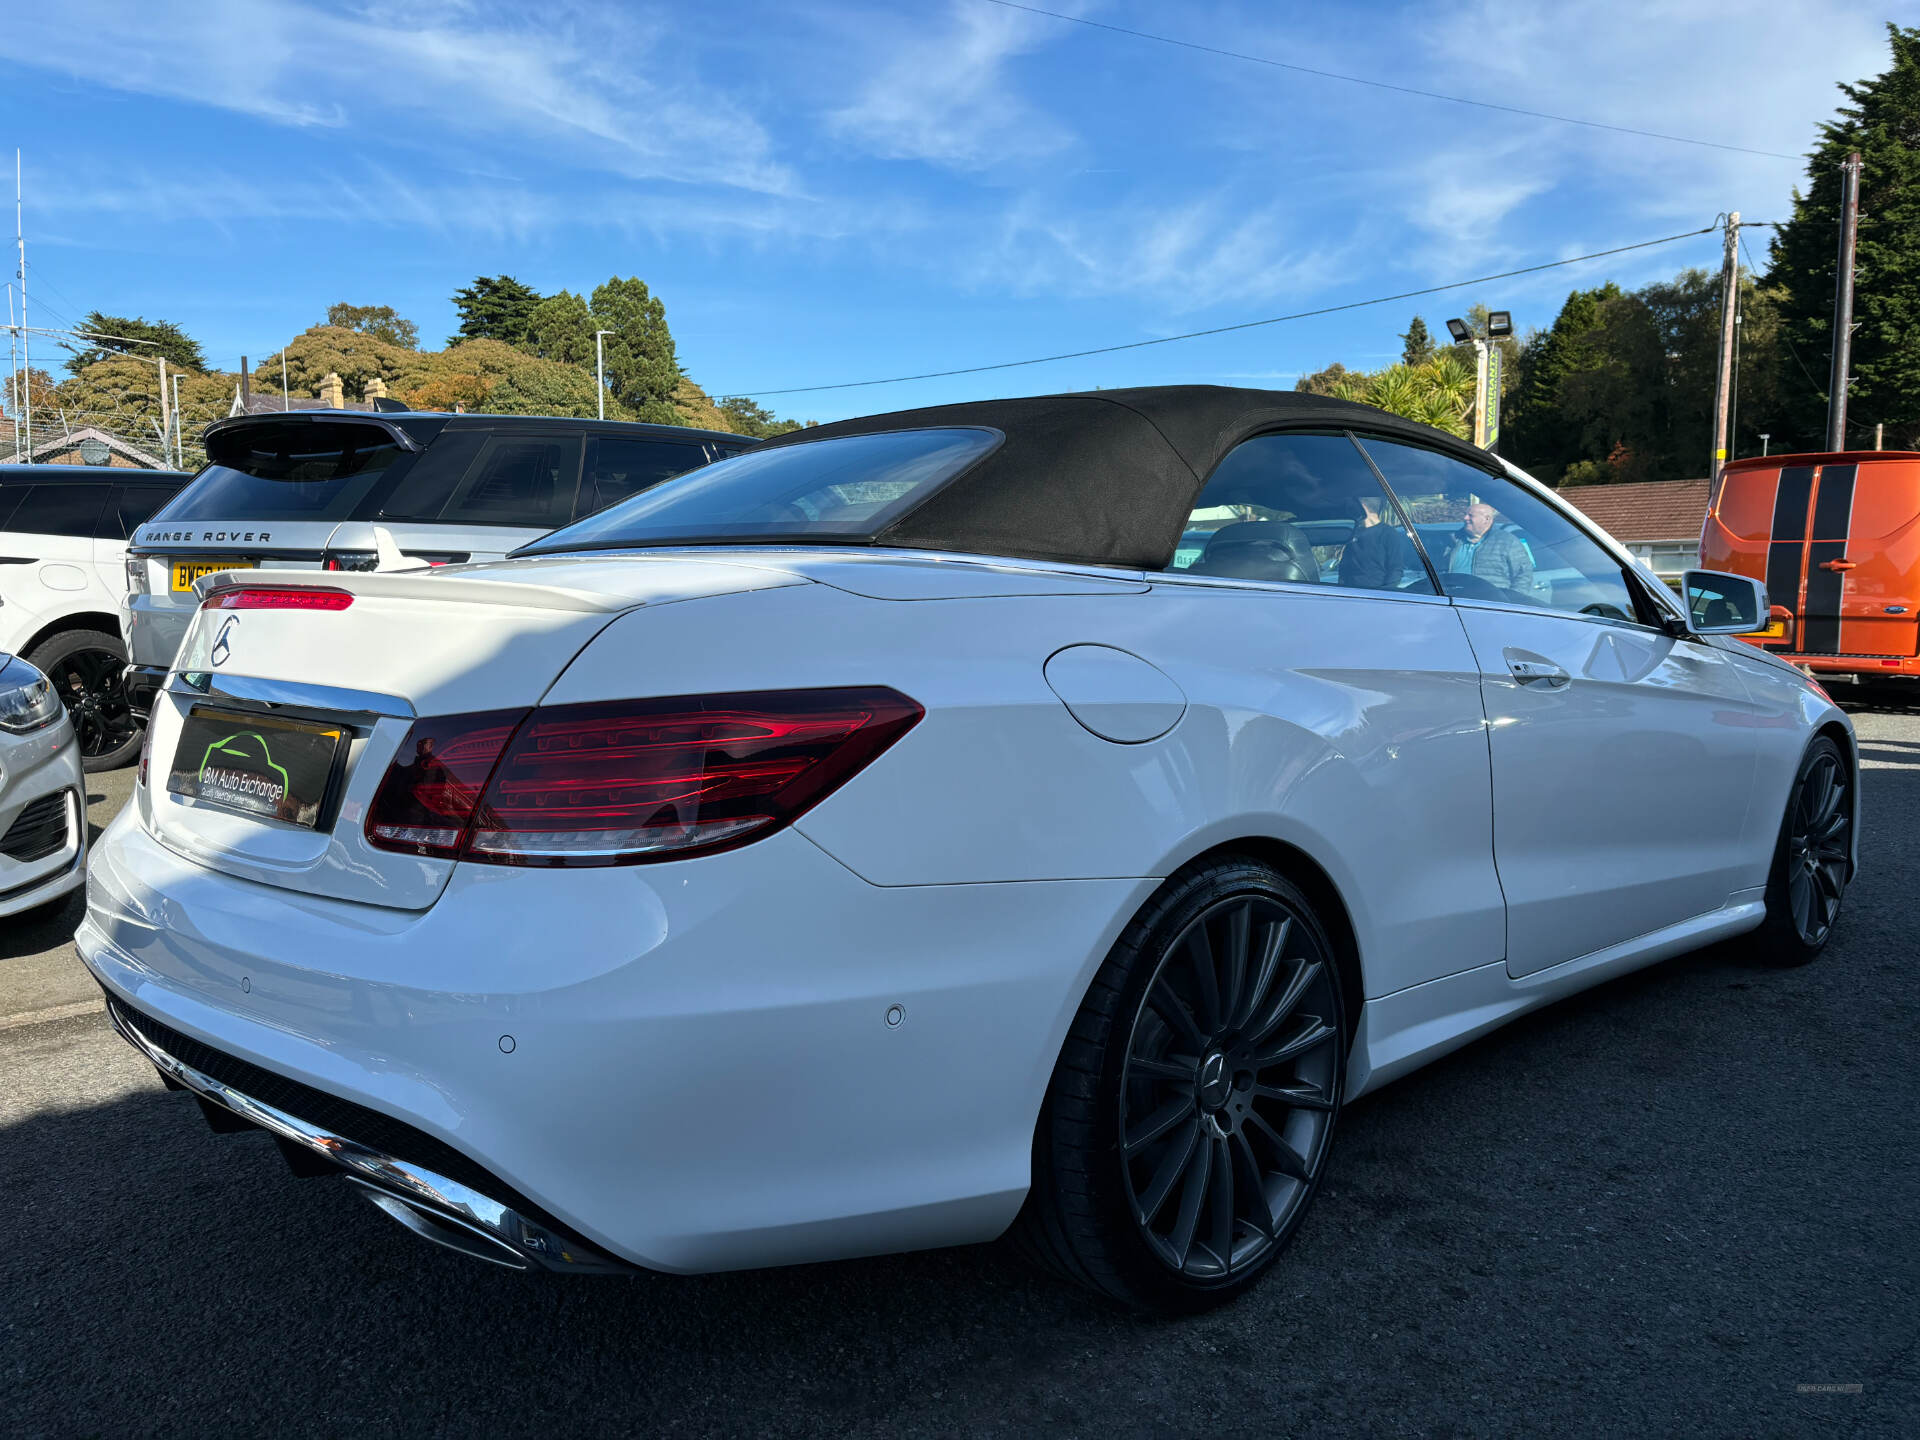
point(78, 620)
point(1329, 904)
point(1842, 735)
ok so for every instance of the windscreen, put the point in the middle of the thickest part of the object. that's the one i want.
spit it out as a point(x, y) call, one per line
point(287, 470)
point(849, 488)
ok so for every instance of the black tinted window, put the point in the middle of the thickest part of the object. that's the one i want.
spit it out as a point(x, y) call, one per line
point(1304, 509)
point(133, 505)
point(619, 468)
point(423, 492)
point(288, 470)
point(849, 487)
point(525, 480)
point(58, 510)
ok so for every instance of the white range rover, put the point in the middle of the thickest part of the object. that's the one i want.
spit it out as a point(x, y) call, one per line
point(63, 547)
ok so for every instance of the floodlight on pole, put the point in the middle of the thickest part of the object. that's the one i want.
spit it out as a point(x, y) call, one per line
point(1499, 323)
point(600, 369)
point(1764, 438)
point(1460, 332)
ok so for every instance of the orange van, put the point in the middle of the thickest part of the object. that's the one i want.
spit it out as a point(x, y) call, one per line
point(1836, 540)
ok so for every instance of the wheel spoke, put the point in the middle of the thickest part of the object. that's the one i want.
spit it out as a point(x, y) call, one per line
point(1283, 1005)
point(1172, 1009)
point(1253, 1198)
point(1800, 898)
point(1159, 1123)
point(1221, 1193)
point(1315, 1032)
point(1191, 1196)
point(1178, 1069)
point(1299, 1095)
point(1239, 943)
point(1167, 1174)
point(1205, 974)
point(1287, 1160)
point(1273, 947)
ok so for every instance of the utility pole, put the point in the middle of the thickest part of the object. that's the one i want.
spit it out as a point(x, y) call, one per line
point(1843, 303)
point(179, 437)
point(285, 403)
point(600, 370)
point(246, 387)
point(13, 370)
point(1729, 308)
point(166, 414)
point(26, 344)
point(1879, 435)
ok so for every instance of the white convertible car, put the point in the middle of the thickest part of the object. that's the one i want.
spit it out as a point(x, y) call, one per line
point(1040, 813)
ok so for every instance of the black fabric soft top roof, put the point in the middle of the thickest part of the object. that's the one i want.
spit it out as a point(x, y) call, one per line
point(1105, 477)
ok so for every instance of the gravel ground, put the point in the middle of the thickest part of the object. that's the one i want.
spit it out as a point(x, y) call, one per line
point(1668, 1205)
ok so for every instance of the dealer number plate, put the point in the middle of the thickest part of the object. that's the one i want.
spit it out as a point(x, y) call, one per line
point(257, 765)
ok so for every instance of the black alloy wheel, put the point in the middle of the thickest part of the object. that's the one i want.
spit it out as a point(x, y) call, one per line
point(87, 669)
point(1814, 858)
point(1193, 1107)
point(1228, 1090)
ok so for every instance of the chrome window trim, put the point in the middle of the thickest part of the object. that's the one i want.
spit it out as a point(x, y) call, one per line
point(1290, 587)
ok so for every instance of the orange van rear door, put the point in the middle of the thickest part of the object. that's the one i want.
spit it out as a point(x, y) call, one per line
point(1787, 546)
point(1874, 597)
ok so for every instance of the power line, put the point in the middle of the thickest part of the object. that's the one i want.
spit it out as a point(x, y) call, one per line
point(1385, 85)
point(1228, 329)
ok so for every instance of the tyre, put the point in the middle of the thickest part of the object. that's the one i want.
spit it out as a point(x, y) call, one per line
point(1192, 1109)
point(85, 667)
point(1812, 861)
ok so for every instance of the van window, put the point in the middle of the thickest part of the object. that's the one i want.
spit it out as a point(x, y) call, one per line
point(288, 470)
point(58, 510)
point(618, 467)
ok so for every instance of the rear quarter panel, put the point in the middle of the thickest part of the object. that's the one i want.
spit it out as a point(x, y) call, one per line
point(1347, 726)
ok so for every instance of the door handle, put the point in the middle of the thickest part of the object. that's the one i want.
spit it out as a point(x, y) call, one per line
point(1543, 673)
point(1841, 564)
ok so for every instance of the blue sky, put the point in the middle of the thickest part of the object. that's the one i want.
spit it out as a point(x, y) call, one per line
point(849, 189)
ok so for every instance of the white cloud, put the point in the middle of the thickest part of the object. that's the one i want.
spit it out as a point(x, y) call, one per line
point(593, 89)
point(942, 93)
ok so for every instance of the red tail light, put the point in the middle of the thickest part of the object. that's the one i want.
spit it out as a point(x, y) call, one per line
point(304, 599)
point(628, 781)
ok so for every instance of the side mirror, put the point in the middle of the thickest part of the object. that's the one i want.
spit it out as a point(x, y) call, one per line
point(1722, 604)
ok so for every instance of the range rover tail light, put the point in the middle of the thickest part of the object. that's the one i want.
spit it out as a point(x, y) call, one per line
point(631, 781)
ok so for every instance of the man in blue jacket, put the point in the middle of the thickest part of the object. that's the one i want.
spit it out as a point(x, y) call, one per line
point(1496, 556)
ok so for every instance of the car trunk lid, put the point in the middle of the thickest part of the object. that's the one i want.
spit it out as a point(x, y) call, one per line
point(294, 691)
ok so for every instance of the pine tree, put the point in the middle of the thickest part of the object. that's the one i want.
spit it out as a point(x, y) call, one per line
point(1882, 121)
point(1416, 346)
point(163, 337)
point(495, 307)
point(1538, 434)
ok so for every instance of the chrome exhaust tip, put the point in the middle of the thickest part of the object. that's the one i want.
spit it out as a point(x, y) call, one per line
point(443, 1229)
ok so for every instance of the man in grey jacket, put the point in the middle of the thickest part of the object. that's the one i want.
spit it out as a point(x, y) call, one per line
point(1496, 556)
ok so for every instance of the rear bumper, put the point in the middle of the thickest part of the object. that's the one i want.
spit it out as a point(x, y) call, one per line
point(142, 683)
point(153, 627)
point(754, 1058)
point(33, 768)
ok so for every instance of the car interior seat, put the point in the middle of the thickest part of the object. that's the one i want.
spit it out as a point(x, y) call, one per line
point(1259, 550)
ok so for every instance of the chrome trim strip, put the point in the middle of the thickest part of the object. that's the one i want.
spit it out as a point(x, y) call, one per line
point(249, 689)
point(413, 1184)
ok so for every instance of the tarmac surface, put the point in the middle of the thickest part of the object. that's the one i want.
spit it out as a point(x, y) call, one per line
point(1672, 1204)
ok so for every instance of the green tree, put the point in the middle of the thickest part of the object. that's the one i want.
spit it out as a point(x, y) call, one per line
point(1416, 345)
point(1436, 392)
point(642, 369)
point(745, 417)
point(494, 307)
point(382, 322)
point(1881, 120)
point(561, 329)
point(163, 337)
point(1537, 435)
point(355, 357)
